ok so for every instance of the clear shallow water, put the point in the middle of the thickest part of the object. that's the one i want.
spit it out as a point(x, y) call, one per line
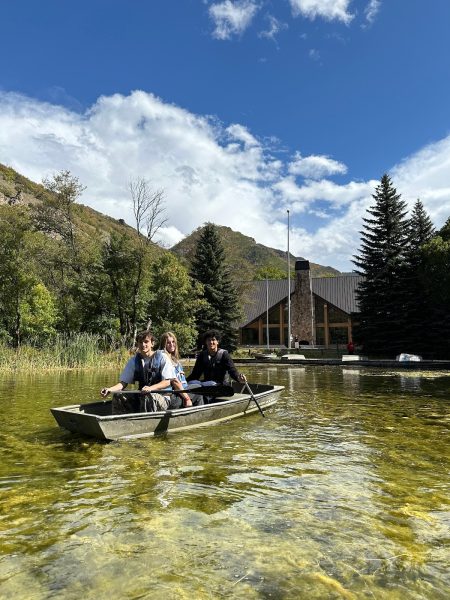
point(343, 491)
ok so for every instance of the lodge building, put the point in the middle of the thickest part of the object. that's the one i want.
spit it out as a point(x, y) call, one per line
point(323, 310)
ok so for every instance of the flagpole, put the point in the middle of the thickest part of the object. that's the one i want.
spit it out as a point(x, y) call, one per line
point(267, 313)
point(289, 284)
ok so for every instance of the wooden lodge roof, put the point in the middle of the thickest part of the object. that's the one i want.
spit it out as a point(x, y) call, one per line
point(339, 291)
point(256, 298)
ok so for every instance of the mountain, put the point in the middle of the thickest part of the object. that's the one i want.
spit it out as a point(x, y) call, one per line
point(248, 259)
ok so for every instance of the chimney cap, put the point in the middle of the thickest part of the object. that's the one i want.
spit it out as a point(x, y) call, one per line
point(302, 265)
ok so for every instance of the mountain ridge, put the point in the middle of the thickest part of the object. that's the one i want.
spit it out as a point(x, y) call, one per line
point(248, 259)
point(251, 257)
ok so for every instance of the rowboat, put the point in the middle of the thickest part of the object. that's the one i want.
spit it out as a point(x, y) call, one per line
point(95, 419)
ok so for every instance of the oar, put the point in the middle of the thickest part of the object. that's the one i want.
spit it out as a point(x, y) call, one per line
point(207, 390)
point(254, 399)
point(203, 390)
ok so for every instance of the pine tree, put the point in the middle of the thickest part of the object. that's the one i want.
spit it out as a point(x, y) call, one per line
point(418, 303)
point(220, 311)
point(436, 277)
point(380, 261)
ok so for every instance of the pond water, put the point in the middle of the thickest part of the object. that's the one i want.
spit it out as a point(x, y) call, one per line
point(342, 491)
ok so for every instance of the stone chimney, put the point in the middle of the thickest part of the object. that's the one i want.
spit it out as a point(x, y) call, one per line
point(301, 304)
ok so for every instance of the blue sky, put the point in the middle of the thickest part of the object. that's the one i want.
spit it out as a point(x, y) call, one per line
point(237, 109)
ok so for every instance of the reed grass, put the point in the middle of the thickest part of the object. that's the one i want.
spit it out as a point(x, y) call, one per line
point(77, 351)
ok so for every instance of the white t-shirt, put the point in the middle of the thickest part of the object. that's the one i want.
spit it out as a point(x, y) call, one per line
point(166, 367)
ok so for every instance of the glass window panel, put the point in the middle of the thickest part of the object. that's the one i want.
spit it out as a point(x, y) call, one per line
point(320, 336)
point(335, 315)
point(249, 336)
point(274, 315)
point(274, 336)
point(318, 309)
point(338, 335)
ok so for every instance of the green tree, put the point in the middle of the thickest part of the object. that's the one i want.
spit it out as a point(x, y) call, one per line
point(38, 312)
point(56, 215)
point(444, 233)
point(380, 261)
point(148, 209)
point(416, 292)
point(270, 272)
point(435, 274)
point(16, 276)
point(123, 263)
point(221, 310)
point(174, 300)
point(68, 259)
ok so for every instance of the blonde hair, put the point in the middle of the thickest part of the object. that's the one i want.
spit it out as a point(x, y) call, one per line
point(162, 344)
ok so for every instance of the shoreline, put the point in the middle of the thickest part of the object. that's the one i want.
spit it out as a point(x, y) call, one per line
point(440, 365)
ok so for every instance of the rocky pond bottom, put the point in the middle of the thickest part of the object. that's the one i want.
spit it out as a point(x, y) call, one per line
point(342, 491)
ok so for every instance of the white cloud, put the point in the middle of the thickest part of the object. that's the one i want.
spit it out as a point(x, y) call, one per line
point(242, 134)
point(426, 175)
point(314, 54)
point(316, 167)
point(275, 26)
point(232, 18)
point(301, 198)
point(372, 9)
point(330, 10)
point(208, 172)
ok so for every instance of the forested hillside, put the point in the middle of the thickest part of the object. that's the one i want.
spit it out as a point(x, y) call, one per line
point(66, 268)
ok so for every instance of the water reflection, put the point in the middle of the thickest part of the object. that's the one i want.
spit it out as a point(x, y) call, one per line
point(341, 491)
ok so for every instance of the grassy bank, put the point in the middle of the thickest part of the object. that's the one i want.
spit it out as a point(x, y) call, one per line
point(80, 351)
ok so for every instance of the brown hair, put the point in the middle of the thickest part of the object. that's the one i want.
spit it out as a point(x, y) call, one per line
point(162, 344)
point(140, 337)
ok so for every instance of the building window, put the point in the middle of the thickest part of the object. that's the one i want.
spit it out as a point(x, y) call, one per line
point(274, 315)
point(249, 336)
point(320, 336)
point(318, 309)
point(274, 336)
point(338, 335)
point(335, 315)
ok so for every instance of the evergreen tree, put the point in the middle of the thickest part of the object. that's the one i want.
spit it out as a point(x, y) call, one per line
point(436, 279)
point(380, 261)
point(444, 233)
point(220, 311)
point(418, 304)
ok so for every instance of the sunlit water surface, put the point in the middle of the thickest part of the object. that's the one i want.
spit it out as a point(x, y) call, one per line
point(342, 491)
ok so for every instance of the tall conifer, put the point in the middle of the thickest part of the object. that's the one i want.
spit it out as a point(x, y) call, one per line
point(436, 276)
point(418, 303)
point(380, 261)
point(220, 310)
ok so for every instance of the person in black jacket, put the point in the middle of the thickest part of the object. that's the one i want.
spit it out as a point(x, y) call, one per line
point(213, 363)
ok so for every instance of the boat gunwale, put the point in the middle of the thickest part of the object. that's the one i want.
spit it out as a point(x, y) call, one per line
point(174, 412)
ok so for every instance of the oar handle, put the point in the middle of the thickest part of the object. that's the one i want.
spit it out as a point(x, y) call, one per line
point(249, 389)
point(203, 390)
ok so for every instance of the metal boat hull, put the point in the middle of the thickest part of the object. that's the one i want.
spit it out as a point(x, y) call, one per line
point(95, 419)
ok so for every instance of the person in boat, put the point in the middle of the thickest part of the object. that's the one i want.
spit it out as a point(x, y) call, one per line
point(169, 344)
point(153, 372)
point(214, 363)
